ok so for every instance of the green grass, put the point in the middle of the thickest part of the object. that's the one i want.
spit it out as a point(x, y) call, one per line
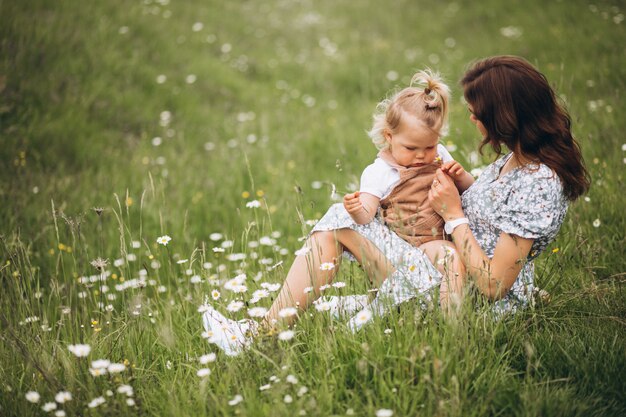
point(284, 92)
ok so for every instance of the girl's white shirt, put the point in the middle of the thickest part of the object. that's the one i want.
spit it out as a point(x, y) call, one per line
point(380, 178)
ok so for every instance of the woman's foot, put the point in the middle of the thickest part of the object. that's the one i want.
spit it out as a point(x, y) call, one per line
point(345, 306)
point(229, 335)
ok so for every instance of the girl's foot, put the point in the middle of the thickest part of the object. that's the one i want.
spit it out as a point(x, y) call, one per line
point(229, 335)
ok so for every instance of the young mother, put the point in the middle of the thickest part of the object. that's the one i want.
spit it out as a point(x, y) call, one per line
point(499, 225)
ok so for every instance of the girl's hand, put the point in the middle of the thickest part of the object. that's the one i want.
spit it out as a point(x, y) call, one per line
point(444, 197)
point(352, 203)
point(453, 169)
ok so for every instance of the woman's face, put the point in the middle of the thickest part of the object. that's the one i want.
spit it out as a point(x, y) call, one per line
point(478, 123)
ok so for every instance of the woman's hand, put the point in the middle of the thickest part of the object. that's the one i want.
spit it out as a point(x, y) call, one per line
point(444, 197)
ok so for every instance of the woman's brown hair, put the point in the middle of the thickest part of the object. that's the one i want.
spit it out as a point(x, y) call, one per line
point(518, 107)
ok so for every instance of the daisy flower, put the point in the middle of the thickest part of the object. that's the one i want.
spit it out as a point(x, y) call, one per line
point(163, 240)
point(327, 266)
point(63, 396)
point(291, 379)
point(215, 294)
point(303, 251)
point(33, 397)
point(339, 284)
point(47, 407)
point(257, 311)
point(203, 372)
point(323, 306)
point(236, 400)
point(209, 357)
point(308, 290)
point(235, 306)
point(96, 402)
point(253, 204)
point(364, 316)
point(384, 412)
point(287, 312)
point(115, 368)
point(80, 350)
point(286, 335)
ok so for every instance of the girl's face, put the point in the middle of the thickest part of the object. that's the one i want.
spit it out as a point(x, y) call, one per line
point(479, 125)
point(413, 144)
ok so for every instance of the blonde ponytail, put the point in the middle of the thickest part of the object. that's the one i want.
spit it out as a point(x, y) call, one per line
point(426, 98)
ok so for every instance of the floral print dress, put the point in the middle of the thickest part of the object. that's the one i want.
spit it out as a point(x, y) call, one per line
point(527, 201)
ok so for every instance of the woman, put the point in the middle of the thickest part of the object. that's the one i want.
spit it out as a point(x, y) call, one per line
point(515, 208)
point(498, 226)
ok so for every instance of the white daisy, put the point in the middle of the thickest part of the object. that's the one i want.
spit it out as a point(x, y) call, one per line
point(163, 240)
point(63, 396)
point(339, 284)
point(215, 294)
point(288, 312)
point(286, 335)
point(327, 266)
point(33, 397)
point(203, 372)
point(236, 400)
point(257, 312)
point(209, 357)
point(234, 306)
point(47, 407)
point(80, 350)
point(115, 368)
point(253, 204)
point(384, 412)
point(302, 251)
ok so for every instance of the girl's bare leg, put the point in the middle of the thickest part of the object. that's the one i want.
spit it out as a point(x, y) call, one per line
point(325, 247)
point(444, 257)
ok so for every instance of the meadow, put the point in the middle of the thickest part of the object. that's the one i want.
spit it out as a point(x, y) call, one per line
point(231, 126)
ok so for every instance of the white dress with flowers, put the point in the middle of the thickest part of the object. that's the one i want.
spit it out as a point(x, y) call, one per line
point(526, 202)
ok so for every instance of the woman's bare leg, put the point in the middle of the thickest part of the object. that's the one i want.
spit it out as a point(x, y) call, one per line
point(326, 247)
point(444, 257)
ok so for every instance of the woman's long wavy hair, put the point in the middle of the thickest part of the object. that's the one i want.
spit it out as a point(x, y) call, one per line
point(518, 108)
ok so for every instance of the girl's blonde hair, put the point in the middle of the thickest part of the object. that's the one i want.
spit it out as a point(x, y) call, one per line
point(427, 100)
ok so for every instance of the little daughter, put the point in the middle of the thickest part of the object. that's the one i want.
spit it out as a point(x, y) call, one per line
point(402, 248)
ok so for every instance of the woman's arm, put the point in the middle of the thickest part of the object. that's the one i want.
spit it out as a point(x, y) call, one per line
point(494, 277)
point(362, 207)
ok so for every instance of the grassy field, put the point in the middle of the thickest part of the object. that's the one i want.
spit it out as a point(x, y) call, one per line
point(122, 121)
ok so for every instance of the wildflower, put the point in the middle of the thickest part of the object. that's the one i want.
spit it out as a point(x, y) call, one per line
point(33, 397)
point(307, 290)
point(215, 294)
point(97, 371)
point(286, 335)
point(130, 402)
point(327, 266)
point(125, 389)
point(384, 412)
point(63, 396)
point(264, 387)
point(236, 400)
point(215, 236)
point(100, 363)
point(49, 407)
point(253, 204)
point(596, 223)
point(271, 287)
point(259, 294)
point(257, 312)
point(80, 350)
point(209, 357)
point(99, 263)
point(291, 379)
point(288, 312)
point(164, 240)
point(203, 372)
point(324, 287)
point(196, 279)
point(96, 402)
point(219, 250)
point(267, 241)
point(234, 306)
point(288, 399)
point(303, 390)
point(363, 316)
point(302, 251)
point(115, 368)
point(59, 413)
point(387, 331)
point(339, 284)
point(323, 306)
point(203, 308)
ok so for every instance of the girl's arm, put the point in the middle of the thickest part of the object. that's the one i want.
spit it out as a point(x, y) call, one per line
point(494, 277)
point(362, 207)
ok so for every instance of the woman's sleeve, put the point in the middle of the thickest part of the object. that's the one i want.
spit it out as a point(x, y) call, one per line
point(533, 208)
